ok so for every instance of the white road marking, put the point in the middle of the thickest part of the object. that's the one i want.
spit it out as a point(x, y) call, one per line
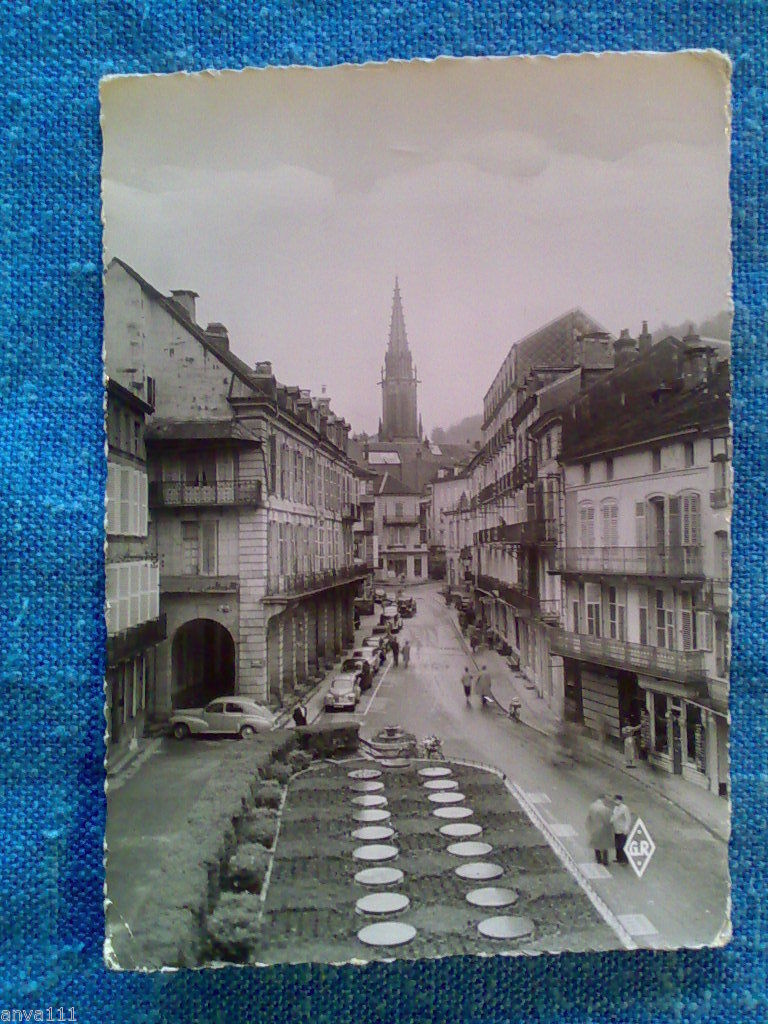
point(373, 695)
point(538, 798)
point(637, 924)
point(590, 869)
point(563, 831)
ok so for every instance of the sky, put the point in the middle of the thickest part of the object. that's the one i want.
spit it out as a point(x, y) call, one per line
point(501, 191)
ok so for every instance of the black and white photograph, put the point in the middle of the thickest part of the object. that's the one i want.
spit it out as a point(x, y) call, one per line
point(418, 422)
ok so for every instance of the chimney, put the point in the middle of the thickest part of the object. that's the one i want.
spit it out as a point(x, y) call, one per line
point(625, 348)
point(644, 340)
point(185, 300)
point(218, 335)
point(696, 360)
point(263, 369)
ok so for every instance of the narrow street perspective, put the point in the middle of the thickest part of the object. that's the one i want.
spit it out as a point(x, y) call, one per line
point(418, 572)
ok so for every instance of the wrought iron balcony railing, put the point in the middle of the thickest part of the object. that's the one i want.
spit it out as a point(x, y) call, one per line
point(682, 666)
point(679, 562)
point(177, 494)
point(295, 584)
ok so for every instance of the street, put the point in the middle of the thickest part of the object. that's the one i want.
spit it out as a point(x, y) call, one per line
point(681, 898)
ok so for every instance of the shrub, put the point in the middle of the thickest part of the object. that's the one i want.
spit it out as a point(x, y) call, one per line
point(232, 926)
point(248, 866)
point(259, 826)
point(269, 794)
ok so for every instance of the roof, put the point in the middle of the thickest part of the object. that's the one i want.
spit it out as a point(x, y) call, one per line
point(384, 459)
point(124, 394)
point(200, 430)
point(645, 400)
point(391, 485)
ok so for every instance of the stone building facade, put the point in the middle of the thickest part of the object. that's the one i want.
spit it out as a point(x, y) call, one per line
point(252, 496)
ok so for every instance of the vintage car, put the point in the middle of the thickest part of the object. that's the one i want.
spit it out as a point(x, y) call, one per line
point(364, 605)
point(370, 655)
point(378, 644)
point(391, 617)
point(225, 716)
point(407, 607)
point(344, 693)
point(361, 667)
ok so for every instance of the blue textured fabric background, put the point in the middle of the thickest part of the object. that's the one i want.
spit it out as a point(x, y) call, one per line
point(51, 514)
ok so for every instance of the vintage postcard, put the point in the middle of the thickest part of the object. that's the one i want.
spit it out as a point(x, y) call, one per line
point(418, 509)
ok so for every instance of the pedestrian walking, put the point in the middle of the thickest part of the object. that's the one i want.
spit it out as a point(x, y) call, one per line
point(629, 735)
point(406, 652)
point(600, 829)
point(300, 715)
point(621, 820)
point(395, 648)
point(466, 682)
point(483, 686)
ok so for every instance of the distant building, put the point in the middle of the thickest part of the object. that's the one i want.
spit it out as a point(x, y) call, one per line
point(252, 498)
point(400, 420)
point(399, 523)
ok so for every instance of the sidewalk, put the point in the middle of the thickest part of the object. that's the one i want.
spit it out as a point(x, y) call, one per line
point(713, 812)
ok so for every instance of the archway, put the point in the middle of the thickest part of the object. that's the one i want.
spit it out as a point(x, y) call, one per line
point(203, 657)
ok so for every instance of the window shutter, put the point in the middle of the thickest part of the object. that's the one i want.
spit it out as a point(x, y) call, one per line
point(145, 592)
point(674, 523)
point(113, 498)
point(704, 631)
point(142, 504)
point(111, 595)
point(209, 527)
point(640, 533)
point(154, 585)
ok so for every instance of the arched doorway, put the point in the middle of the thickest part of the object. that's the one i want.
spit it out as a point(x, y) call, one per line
point(203, 657)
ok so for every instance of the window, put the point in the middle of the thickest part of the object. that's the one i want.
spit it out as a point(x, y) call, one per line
point(722, 556)
point(190, 548)
point(686, 622)
point(617, 614)
point(693, 733)
point(200, 470)
point(610, 526)
point(576, 617)
point(549, 446)
point(665, 624)
point(417, 567)
point(398, 510)
point(199, 548)
point(587, 472)
point(609, 469)
point(688, 454)
point(656, 460)
point(586, 525)
point(132, 590)
point(640, 535)
point(643, 618)
point(592, 601)
point(690, 512)
point(273, 463)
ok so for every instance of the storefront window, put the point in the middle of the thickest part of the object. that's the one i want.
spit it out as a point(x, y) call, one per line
point(693, 724)
point(660, 723)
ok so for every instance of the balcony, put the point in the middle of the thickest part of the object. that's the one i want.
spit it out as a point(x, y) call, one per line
point(678, 562)
point(682, 666)
point(196, 583)
point(350, 512)
point(406, 519)
point(302, 584)
point(531, 531)
point(549, 610)
point(512, 594)
point(175, 494)
point(720, 497)
point(720, 592)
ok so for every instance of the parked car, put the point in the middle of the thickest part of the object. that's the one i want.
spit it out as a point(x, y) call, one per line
point(344, 693)
point(391, 616)
point(225, 716)
point(407, 607)
point(370, 656)
point(361, 666)
point(364, 605)
point(378, 645)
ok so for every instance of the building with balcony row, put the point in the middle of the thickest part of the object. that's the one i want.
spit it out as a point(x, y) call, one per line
point(645, 559)
point(251, 497)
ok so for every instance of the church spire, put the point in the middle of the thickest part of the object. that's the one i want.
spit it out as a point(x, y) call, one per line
point(398, 340)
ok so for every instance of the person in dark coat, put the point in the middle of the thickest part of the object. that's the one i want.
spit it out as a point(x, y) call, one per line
point(600, 829)
point(395, 647)
point(300, 715)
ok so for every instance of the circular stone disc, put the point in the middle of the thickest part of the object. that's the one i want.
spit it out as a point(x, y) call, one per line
point(461, 829)
point(492, 897)
point(446, 798)
point(369, 814)
point(373, 833)
point(506, 927)
point(469, 849)
point(453, 812)
point(375, 852)
point(379, 876)
point(382, 903)
point(367, 787)
point(386, 933)
point(394, 762)
point(434, 773)
point(441, 784)
point(369, 800)
point(364, 773)
point(479, 870)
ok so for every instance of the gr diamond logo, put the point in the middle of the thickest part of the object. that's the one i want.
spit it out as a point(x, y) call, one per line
point(639, 848)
